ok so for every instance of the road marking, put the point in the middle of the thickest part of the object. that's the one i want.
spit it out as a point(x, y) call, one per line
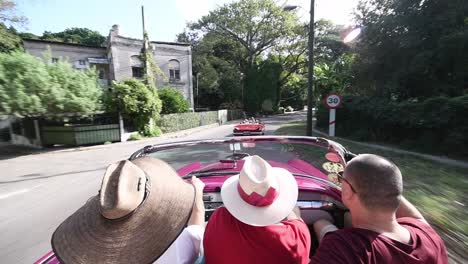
point(4, 196)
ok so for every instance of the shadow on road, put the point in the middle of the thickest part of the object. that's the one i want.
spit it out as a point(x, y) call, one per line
point(49, 176)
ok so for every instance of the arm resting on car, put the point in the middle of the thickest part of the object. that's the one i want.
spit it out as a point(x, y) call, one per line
point(407, 209)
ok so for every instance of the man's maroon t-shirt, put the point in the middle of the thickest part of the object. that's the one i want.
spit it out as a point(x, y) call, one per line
point(227, 240)
point(356, 245)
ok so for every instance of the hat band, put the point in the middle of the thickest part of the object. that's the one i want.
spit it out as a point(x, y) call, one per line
point(256, 199)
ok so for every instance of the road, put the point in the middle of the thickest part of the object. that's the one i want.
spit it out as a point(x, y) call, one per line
point(39, 191)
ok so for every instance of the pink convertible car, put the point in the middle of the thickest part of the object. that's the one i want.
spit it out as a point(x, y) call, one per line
point(314, 162)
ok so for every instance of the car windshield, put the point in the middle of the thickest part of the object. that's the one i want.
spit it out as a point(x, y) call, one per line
point(279, 152)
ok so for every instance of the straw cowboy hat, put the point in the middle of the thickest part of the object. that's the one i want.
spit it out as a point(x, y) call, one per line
point(260, 195)
point(142, 207)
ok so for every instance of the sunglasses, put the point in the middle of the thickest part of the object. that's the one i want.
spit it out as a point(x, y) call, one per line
point(342, 179)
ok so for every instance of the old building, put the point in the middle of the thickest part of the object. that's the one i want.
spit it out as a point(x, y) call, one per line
point(121, 60)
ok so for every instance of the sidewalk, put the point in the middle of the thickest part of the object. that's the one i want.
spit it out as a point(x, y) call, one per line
point(440, 159)
point(11, 151)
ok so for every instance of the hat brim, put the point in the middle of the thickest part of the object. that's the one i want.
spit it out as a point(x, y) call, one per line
point(267, 215)
point(141, 237)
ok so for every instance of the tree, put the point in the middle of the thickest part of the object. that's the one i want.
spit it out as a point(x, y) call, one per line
point(29, 87)
point(253, 28)
point(138, 102)
point(172, 101)
point(257, 25)
point(83, 36)
point(8, 39)
point(413, 49)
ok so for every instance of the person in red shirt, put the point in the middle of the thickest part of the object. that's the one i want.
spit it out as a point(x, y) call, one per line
point(386, 228)
point(259, 223)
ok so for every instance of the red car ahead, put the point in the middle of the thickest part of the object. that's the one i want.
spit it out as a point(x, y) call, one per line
point(249, 127)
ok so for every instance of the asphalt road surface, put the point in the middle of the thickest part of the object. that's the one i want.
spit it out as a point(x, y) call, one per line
point(37, 192)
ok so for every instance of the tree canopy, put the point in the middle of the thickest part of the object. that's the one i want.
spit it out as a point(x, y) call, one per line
point(413, 49)
point(83, 36)
point(9, 40)
point(30, 87)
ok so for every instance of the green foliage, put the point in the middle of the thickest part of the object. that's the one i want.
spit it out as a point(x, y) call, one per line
point(412, 49)
point(29, 87)
point(172, 101)
point(294, 92)
point(176, 122)
point(237, 37)
point(437, 124)
point(83, 36)
point(262, 84)
point(134, 137)
point(138, 102)
point(9, 41)
point(336, 76)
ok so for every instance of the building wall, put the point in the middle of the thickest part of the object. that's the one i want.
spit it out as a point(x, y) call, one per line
point(183, 54)
point(122, 53)
point(72, 53)
point(123, 49)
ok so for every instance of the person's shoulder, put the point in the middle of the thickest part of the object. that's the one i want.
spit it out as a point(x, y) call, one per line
point(221, 214)
point(416, 224)
point(421, 228)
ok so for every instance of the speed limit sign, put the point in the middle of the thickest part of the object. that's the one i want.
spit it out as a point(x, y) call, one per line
point(333, 101)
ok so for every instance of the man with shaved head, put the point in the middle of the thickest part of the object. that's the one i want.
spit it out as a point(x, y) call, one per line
point(386, 228)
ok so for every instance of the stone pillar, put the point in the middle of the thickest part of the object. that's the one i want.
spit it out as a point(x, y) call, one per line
point(121, 128)
point(37, 130)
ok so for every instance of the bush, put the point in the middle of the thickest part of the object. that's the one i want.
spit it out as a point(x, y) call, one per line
point(136, 136)
point(138, 102)
point(173, 101)
point(176, 122)
point(30, 87)
point(438, 124)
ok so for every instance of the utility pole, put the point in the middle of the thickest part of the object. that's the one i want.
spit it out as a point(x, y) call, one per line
point(310, 88)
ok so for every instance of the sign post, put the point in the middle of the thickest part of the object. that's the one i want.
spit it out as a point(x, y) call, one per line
point(333, 101)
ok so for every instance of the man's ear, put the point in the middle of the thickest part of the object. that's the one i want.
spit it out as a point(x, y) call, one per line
point(346, 192)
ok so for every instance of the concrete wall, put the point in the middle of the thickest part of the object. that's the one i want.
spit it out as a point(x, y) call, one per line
point(73, 53)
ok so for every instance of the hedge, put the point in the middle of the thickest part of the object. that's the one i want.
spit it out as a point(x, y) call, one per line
point(181, 121)
point(438, 125)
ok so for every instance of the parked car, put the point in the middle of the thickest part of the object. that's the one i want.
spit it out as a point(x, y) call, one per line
point(314, 162)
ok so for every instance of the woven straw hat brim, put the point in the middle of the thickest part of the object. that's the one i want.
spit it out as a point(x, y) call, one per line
point(141, 237)
point(267, 215)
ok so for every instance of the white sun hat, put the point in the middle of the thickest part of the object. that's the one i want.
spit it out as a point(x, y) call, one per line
point(260, 195)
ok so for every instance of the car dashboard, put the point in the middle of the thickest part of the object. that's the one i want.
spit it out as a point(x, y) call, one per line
point(306, 201)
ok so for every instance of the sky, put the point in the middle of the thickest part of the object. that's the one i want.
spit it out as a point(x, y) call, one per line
point(164, 18)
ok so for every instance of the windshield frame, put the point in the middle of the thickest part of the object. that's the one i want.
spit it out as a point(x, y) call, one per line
point(331, 145)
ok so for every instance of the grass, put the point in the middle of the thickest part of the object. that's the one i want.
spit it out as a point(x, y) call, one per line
point(436, 189)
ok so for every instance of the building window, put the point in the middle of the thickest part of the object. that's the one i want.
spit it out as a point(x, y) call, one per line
point(101, 74)
point(137, 72)
point(55, 60)
point(174, 71)
point(82, 62)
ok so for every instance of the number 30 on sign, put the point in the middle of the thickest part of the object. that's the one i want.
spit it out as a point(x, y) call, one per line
point(333, 101)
